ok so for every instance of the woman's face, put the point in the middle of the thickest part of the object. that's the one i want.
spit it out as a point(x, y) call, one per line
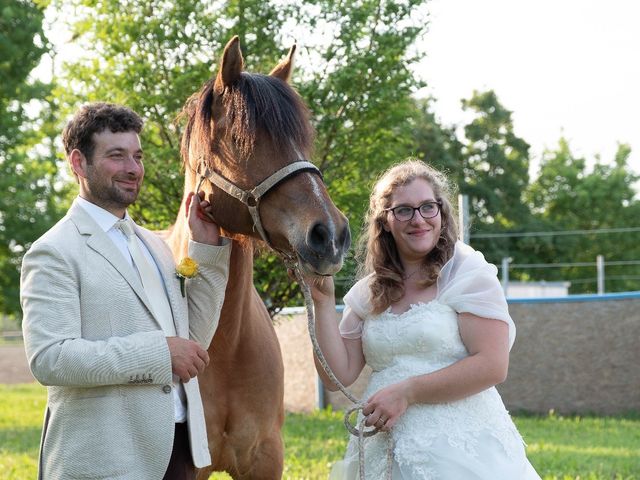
point(416, 237)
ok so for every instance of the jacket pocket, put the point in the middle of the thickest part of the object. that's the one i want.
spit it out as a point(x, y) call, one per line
point(96, 442)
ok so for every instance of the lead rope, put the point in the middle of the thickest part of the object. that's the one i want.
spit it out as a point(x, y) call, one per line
point(359, 432)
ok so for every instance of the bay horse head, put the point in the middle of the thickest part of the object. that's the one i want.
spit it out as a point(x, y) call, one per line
point(249, 137)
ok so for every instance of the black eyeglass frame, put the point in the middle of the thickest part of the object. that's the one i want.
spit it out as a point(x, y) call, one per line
point(413, 213)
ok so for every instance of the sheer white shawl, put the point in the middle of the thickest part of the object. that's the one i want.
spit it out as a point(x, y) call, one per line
point(467, 283)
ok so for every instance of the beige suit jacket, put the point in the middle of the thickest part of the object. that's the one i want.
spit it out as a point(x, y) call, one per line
point(91, 338)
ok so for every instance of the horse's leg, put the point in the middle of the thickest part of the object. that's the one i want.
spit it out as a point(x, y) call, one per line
point(261, 396)
point(243, 386)
point(255, 422)
point(204, 473)
point(267, 459)
point(247, 442)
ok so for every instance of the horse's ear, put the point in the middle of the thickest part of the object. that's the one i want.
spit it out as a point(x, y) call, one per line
point(284, 69)
point(230, 66)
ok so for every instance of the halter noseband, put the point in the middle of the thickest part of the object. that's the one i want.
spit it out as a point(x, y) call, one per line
point(251, 198)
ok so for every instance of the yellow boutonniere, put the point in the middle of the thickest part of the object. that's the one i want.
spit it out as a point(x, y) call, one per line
point(187, 268)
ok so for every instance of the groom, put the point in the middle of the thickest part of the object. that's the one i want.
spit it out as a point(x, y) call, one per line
point(105, 324)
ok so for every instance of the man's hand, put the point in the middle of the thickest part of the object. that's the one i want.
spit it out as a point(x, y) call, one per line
point(188, 358)
point(202, 228)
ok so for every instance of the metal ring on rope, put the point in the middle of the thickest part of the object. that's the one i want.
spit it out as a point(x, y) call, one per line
point(353, 430)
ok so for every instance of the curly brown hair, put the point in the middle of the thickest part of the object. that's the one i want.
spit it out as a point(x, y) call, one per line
point(377, 249)
point(95, 118)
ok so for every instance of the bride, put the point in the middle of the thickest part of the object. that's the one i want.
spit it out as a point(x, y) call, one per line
point(429, 317)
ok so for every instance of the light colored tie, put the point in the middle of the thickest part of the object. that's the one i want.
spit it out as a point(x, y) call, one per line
point(151, 280)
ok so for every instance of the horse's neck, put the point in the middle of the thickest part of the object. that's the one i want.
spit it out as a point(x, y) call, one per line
point(240, 281)
point(242, 309)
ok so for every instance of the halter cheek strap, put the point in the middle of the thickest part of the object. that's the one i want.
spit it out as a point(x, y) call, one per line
point(251, 198)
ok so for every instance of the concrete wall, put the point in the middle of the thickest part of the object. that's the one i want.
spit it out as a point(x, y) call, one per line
point(574, 354)
point(579, 354)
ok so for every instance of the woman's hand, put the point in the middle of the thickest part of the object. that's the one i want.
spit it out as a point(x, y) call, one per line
point(201, 228)
point(387, 405)
point(322, 289)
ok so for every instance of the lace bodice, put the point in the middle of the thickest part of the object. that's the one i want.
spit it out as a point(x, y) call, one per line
point(421, 340)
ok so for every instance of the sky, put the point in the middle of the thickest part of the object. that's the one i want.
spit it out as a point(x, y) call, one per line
point(563, 67)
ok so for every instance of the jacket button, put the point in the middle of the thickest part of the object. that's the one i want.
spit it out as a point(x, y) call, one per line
point(166, 389)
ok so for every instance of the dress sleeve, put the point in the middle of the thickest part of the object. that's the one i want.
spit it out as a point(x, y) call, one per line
point(468, 283)
point(356, 307)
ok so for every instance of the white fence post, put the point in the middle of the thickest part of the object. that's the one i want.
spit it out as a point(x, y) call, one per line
point(600, 269)
point(463, 218)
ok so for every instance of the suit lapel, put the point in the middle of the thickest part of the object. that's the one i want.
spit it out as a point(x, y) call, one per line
point(167, 269)
point(100, 242)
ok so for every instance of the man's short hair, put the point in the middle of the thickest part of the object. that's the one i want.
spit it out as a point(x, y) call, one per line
point(96, 118)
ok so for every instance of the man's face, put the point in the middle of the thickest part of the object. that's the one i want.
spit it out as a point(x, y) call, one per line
point(114, 176)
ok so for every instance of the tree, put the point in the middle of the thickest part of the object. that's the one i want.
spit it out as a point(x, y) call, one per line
point(567, 196)
point(495, 172)
point(28, 171)
point(437, 144)
point(356, 80)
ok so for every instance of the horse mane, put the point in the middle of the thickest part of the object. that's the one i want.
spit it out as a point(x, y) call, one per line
point(255, 102)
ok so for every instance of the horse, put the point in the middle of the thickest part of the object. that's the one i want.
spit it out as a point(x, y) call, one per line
point(246, 140)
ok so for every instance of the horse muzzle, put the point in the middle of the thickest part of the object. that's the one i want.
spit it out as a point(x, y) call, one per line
point(324, 248)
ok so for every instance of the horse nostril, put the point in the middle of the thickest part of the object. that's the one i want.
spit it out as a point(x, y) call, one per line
point(319, 238)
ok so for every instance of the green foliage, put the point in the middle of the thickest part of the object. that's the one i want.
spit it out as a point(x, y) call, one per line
point(22, 43)
point(153, 55)
point(437, 144)
point(29, 204)
point(568, 196)
point(559, 447)
point(496, 163)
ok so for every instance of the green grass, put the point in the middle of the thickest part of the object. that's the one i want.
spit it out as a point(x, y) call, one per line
point(21, 415)
point(560, 448)
point(583, 447)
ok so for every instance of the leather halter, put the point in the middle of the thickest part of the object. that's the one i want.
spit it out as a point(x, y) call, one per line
point(251, 198)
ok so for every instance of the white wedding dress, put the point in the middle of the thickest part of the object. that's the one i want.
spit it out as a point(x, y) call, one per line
point(469, 439)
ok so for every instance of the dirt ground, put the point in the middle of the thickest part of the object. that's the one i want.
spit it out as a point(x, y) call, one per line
point(13, 365)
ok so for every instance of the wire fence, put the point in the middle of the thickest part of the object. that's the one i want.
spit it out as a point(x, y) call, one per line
point(600, 267)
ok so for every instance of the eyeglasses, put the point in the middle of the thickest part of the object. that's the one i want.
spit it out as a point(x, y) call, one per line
point(405, 213)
